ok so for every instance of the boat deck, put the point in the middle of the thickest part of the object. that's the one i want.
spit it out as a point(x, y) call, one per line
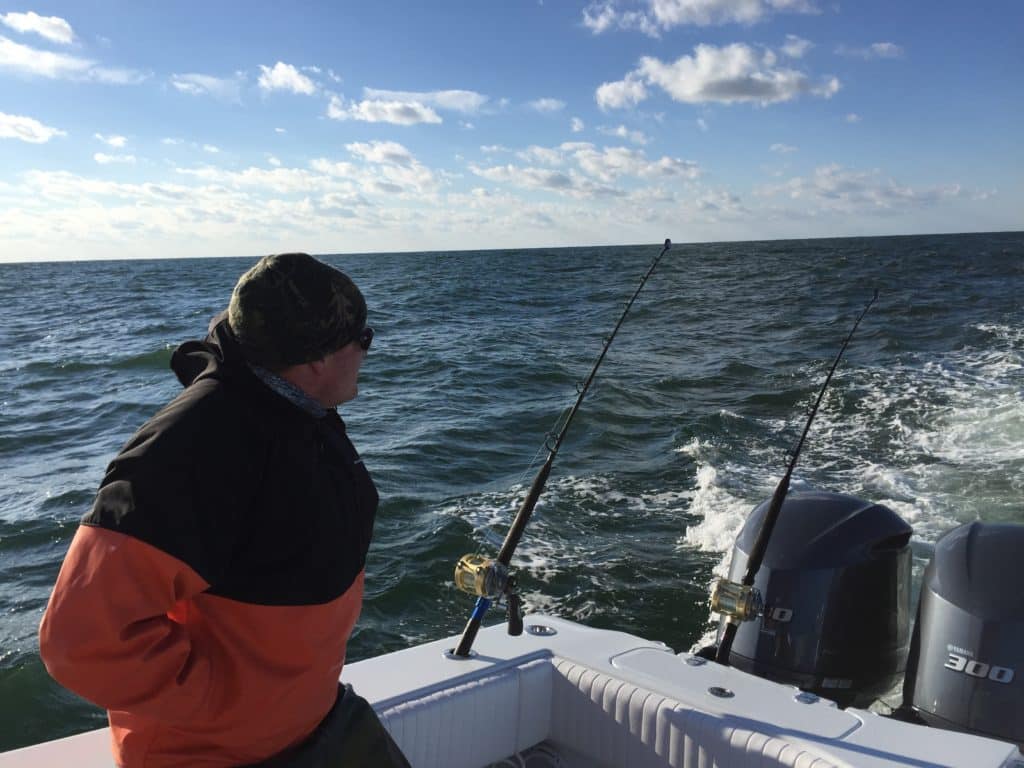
point(603, 698)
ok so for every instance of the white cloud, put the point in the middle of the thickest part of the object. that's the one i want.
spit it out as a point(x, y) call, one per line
point(220, 211)
point(621, 94)
point(285, 77)
point(280, 130)
point(886, 50)
point(273, 180)
point(412, 181)
point(730, 74)
point(466, 102)
point(599, 17)
point(172, 142)
point(653, 16)
point(671, 13)
point(104, 159)
point(213, 150)
point(273, 161)
point(61, 66)
point(783, 149)
point(387, 152)
point(380, 111)
point(113, 140)
point(622, 132)
point(379, 206)
point(34, 61)
point(113, 76)
point(489, 149)
point(702, 13)
point(26, 129)
point(873, 51)
point(832, 188)
point(64, 186)
point(594, 173)
point(392, 170)
point(53, 28)
point(702, 124)
point(734, 73)
point(575, 146)
point(102, 215)
point(718, 204)
point(614, 162)
point(546, 105)
point(542, 155)
point(224, 89)
point(795, 47)
point(569, 183)
point(577, 125)
point(853, 117)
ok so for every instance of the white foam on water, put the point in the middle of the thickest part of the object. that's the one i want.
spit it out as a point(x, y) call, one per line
point(722, 504)
point(568, 545)
point(694, 448)
point(661, 501)
point(990, 432)
point(722, 514)
point(939, 441)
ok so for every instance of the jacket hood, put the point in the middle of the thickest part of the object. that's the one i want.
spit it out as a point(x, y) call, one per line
point(218, 356)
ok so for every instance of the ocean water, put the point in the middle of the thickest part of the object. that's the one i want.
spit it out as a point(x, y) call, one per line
point(477, 357)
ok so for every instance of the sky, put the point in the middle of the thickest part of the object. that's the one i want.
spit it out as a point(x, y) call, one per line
point(186, 129)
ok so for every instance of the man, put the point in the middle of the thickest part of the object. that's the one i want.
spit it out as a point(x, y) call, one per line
point(208, 596)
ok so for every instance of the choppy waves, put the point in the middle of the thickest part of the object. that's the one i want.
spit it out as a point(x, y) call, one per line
point(477, 358)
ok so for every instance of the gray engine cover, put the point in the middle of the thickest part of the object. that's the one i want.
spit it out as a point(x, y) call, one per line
point(966, 665)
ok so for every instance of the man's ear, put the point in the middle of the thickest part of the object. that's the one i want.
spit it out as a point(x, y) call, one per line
point(316, 367)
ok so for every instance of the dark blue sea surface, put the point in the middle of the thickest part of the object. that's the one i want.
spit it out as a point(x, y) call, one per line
point(478, 356)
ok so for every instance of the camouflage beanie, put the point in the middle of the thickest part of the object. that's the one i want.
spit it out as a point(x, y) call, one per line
point(291, 309)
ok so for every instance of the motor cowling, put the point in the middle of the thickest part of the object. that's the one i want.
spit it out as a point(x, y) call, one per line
point(966, 665)
point(835, 581)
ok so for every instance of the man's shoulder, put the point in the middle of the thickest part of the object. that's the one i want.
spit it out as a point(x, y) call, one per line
point(209, 410)
point(209, 400)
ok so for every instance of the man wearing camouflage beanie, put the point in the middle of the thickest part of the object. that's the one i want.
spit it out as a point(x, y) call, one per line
point(208, 596)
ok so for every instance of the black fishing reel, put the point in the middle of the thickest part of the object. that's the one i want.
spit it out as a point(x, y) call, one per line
point(489, 579)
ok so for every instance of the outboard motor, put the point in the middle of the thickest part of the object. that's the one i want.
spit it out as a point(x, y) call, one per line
point(835, 581)
point(966, 665)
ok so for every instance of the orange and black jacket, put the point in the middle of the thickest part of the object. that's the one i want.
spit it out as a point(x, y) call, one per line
point(208, 596)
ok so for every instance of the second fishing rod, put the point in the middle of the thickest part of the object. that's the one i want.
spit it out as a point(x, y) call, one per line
point(741, 601)
point(490, 580)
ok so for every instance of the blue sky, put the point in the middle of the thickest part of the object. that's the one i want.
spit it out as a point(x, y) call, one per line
point(220, 129)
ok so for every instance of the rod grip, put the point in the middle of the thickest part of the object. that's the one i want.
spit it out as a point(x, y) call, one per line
point(472, 627)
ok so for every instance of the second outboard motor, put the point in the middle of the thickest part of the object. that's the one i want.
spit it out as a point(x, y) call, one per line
point(835, 581)
point(966, 666)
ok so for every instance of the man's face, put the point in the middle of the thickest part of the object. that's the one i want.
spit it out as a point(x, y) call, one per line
point(340, 375)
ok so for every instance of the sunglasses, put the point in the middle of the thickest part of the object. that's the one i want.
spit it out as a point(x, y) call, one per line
point(365, 338)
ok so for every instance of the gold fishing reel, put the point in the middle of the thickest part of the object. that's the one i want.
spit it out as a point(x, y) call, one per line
point(481, 576)
point(736, 602)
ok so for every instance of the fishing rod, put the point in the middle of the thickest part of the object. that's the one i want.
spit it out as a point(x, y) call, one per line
point(490, 580)
point(739, 602)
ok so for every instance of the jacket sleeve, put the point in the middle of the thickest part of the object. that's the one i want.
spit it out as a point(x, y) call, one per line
point(116, 630)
